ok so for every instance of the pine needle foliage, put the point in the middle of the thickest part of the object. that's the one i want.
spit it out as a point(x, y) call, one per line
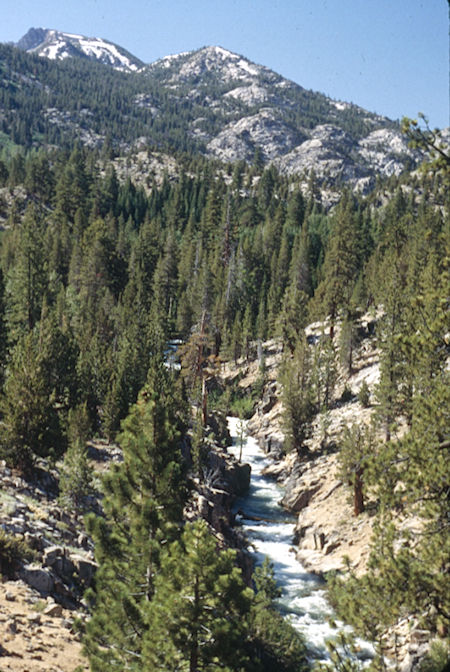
point(143, 503)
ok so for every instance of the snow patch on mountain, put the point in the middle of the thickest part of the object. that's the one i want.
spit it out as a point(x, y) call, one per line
point(225, 64)
point(56, 45)
point(340, 105)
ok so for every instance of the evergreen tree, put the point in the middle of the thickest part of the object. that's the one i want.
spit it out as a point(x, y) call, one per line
point(275, 645)
point(358, 447)
point(144, 498)
point(28, 278)
point(340, 264)
point(297, 397)
point(75, 483)
point(3, 330)
point(324, 372)
point(198, 619)
point(31, 425)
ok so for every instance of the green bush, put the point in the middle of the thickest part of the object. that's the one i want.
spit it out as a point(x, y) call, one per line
point(13, 550)
point(364, 395)
point(437, 659)
point(242, 407)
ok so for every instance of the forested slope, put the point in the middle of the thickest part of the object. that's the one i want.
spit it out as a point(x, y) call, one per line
point(97, 275)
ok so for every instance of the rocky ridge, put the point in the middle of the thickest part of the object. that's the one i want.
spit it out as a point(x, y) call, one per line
point(57, 45)
point(232, 107)
point(260, 106)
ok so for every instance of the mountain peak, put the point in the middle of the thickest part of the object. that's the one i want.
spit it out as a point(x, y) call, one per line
point(57, 45)
point(217, 60)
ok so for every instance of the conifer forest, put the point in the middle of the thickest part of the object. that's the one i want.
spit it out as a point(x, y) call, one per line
point(131, 279)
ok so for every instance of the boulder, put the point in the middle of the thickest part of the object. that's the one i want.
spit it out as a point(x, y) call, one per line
point(269, 399)
point(64, 567)
point(309, 537)
point(38, 577)
point(299, 498)
point(51, 554)
point(237, 477)
point(84, 568)
point(54, 610)
point(271, 445)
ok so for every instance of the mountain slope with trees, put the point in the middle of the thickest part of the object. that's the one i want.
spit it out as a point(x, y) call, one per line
point(101, 270)
point(211, 102)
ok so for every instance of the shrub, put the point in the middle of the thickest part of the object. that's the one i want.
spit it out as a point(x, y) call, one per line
point(347, 394)
point(364, 395)
point(13, 551)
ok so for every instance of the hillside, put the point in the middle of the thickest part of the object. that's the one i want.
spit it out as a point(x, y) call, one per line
point(190, 240)
point(211, 102)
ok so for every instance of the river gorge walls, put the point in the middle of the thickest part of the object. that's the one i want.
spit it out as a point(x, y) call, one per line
point(326, 530)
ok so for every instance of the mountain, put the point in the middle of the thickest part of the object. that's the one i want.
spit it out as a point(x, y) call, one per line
point(57, 45)
point(296, 129)
point(210, 101)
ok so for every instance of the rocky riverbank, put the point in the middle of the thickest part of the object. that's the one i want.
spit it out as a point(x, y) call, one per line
point(326, 531)
point(41, 594)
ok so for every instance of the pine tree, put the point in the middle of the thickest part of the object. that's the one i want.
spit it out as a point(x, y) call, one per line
point(75, 483)
point(198, 619)
point(3, 330)
point(198, 364)
point(275, 645)
point(358, 447)
point(144, 498)
point(298, 406)
point(31, 425)
point(324, 372)
point(340, 264)
point(27, 280)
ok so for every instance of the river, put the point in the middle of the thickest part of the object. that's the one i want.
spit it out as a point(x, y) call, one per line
point(303, 598)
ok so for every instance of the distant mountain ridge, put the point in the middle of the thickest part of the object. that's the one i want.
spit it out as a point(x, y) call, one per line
point(58, 45)
point(222, 105)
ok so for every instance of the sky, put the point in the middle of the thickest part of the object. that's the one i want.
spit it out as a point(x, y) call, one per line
point(388, 56)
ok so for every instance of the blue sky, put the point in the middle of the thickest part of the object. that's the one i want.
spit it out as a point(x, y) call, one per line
point(389, 56)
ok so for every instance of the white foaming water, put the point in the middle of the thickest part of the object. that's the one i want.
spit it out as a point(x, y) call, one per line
point(269, 529)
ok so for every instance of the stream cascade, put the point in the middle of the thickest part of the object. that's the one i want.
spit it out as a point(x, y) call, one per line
point(269, 531)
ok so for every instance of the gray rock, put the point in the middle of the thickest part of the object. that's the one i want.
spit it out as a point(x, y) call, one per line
point(298, 499)
point(237, 476)
point(85, 568)
point(331, 546)
point(11, 626)
point(51, 554)
point(64, 567)
point(54, 610)
point(37, 577)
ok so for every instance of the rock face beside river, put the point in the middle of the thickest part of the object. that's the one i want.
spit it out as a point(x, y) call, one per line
point(326, 530)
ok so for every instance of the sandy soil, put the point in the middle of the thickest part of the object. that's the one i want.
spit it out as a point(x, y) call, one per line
point(32, 641)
